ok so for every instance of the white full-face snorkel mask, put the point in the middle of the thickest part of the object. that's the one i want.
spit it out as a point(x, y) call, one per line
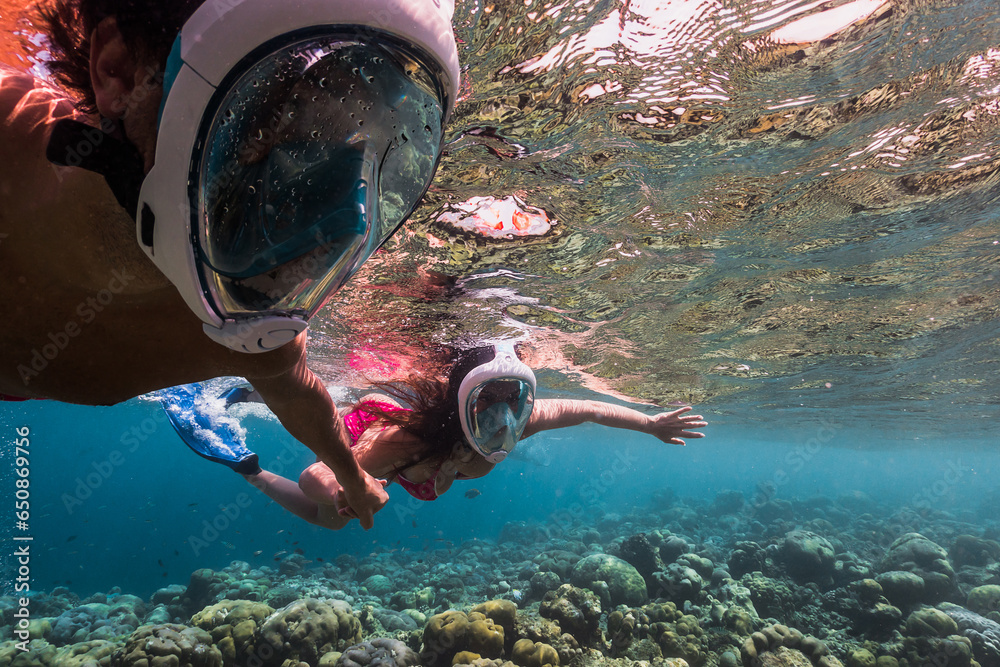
point(294, 140)
point(495, 401)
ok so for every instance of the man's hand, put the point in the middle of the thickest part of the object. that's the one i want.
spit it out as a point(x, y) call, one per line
point(360, 501)
point(670, 427)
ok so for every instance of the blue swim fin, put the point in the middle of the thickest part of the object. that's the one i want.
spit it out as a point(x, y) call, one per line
point(209, 436)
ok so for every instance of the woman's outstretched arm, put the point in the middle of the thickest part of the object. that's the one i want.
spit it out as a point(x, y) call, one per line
point(670, 427)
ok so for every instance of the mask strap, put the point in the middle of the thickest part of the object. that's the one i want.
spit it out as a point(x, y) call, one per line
point(102, 151)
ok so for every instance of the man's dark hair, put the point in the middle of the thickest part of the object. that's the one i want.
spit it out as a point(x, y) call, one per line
point(148, 27)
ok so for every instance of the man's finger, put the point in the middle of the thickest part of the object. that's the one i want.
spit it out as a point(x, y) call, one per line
point(367, 521)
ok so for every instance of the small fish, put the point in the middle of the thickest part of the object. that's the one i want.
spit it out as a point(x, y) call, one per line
point(258, 552)
point(414, 523)
point(192, 504)
point(160, 563)
point(319, 559)
point(300, 552)
point(71, 538)
point(279, 554)
point(472, 493)
point(176, 552)
point(229, 545)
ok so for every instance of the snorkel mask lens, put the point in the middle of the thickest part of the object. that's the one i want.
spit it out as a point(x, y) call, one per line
point(496, 399)
point(313, 158)
point(500, 410)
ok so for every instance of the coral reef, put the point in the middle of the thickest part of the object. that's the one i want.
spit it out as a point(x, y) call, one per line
point(168, 645)
point(915, 553)
point(305, 630)
point(576, 611)
point(379, 652)
point(800, 583)
point(234, 626)
point(780, 645)
point(613, 579)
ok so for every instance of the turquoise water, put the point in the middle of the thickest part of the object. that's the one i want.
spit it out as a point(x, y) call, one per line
point(149, 517)
point(796, 232)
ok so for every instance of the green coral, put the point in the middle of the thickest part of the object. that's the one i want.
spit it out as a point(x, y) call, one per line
point(622, 581)
point(444, 636)
point(984, 599)
point(307, 629)
point(557, 560)
point(861, 658)
point(534, 654)
point(453, 632)
point(40, 653)
point(915, 553)
point(484, 636)
point(168, 645)
point(504, 614)
point(681, 639)
point(85, 654)
point(930, 622)
point(777, 638)
point(233, 625)
point(576, 610)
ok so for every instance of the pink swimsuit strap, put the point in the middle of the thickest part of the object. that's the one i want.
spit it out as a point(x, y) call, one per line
point(425, 490)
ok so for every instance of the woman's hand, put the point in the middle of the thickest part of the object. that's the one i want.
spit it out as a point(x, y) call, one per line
point(671, 426)
point(320, 485)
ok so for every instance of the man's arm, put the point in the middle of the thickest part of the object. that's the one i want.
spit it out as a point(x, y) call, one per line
point(303, 406)
point(669, 427)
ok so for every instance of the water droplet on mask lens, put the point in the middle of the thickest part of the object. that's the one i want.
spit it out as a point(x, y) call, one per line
point(251, 189)
point(322, 82)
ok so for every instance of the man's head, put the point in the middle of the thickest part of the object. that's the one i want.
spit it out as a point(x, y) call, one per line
point(284, 142)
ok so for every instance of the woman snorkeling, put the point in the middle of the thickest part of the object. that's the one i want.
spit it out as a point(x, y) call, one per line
point(424, 432)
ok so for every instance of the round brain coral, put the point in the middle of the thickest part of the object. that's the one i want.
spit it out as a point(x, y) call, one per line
point(168, 645)
point(534, 654)
point(233, 625)
point(306, 629)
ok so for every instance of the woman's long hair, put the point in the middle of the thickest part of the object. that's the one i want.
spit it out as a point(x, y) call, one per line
point(433, 402)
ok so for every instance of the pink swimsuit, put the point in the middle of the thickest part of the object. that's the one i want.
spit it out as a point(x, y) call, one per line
point(357, 422)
